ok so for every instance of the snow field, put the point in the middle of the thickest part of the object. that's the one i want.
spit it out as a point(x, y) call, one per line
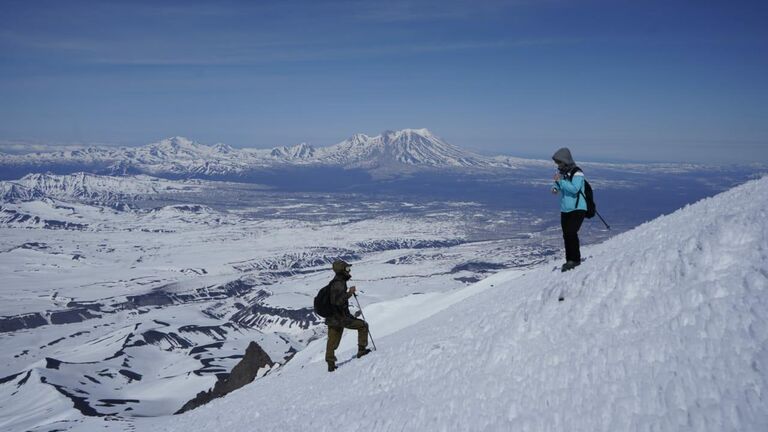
point(663, 328)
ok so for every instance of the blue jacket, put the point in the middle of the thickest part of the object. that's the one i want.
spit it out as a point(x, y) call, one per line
point(570, 193)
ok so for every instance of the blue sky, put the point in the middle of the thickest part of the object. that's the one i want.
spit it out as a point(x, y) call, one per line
point(612, 80)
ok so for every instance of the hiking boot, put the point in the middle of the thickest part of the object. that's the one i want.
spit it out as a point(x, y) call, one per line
point(362, 351)
point(569, 265)
point(331, 366)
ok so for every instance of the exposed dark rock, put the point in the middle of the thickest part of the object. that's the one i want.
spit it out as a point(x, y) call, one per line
point(35, 246)
point(203, 348)
point(242, 374)
point(52, 363)
point(55, 342)
point(384, 245)
point(84, 305)
point(259, 316)
point(80, 403)
point(136, 343)
point(478, 266)
point(105, 373)
point(113, 402)
point(18, 322)
point(131, 375)
point(4, 380)
point(54, 224)
point(72, 316)
point(215, 332)
point(295, 263)
point(24, 380)
point(80, 333)
point(468, 279)
point(155, 337)
point(158, 298)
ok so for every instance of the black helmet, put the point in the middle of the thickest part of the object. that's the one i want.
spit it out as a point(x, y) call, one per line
point(341, 266)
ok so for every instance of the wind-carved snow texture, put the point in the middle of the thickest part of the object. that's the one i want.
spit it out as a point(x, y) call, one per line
point(663, 328)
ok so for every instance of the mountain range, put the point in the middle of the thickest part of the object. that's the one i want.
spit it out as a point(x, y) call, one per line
point(407, 149)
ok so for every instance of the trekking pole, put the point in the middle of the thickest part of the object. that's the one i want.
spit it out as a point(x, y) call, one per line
point(596, 212)
point(601, 218)
point(363, 315)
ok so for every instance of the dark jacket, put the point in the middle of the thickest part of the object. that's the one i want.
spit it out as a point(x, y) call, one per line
point(340, 301)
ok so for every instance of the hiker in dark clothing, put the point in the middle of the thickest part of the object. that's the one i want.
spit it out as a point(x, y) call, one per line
point(569, 184)
point(342, 318)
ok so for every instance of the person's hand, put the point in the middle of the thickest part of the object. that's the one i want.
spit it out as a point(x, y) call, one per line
point(557, 177)
point(555, 191)
point(352, 289)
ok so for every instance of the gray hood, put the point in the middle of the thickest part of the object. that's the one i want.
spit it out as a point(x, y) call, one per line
point(564, 155)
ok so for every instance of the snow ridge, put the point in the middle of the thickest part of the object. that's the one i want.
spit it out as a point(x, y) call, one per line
point(664, 327)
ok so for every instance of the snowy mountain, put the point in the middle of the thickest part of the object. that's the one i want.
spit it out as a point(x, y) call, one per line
point(179, 156)
point(662, 328)
point(301, 151)
point(411, 147)
point(85, 187)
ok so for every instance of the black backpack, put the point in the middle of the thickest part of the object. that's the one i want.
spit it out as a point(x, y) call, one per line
point(587, 194)
point(323, 306)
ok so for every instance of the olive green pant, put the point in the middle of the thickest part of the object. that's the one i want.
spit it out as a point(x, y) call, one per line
point(334, 337)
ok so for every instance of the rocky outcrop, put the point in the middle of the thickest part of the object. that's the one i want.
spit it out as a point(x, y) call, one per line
point(261, 316)
point(243, 373)
point(18, 322)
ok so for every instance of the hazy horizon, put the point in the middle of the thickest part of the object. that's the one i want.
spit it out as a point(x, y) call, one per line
point(651, 81)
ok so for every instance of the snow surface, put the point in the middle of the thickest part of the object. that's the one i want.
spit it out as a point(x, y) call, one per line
point(183, 327)
point(663, 328)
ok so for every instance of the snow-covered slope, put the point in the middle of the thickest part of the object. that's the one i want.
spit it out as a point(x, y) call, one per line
point(663, 328)
point(89, 187)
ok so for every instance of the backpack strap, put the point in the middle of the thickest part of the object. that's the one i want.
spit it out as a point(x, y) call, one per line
point(572, 173)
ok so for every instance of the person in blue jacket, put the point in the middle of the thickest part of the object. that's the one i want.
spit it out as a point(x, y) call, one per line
point(569, 184)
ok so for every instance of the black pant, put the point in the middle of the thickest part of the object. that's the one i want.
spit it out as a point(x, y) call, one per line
point(571, 222)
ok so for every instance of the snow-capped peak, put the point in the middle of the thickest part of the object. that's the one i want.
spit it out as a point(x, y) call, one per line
point(175, 145)
point(223, 148)
point(299, 151)
point(410, 147)
point(392, 135)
